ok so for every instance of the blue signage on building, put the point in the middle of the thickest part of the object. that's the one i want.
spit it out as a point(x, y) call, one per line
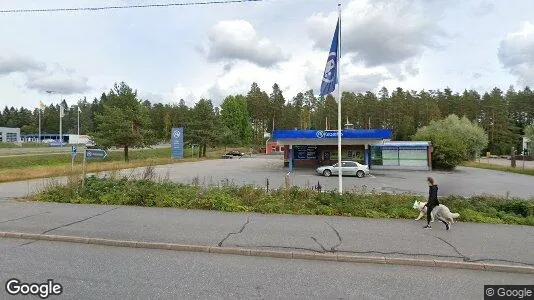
point(177, 142)
point(332, 134)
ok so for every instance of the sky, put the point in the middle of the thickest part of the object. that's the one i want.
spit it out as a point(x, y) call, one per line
point(211, 51)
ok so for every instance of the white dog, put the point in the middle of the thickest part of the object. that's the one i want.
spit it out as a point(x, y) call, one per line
point(439, 211)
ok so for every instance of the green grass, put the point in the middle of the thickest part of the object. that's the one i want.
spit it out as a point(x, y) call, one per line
point(23, 167)
point(230, 198)
point(55, 159)
point(518, 169)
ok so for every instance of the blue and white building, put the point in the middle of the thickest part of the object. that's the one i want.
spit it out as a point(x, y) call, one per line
point(372, 147)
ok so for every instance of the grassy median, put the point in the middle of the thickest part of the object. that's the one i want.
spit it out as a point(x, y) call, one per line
point(23, 167)
point(231, 198)
point(518, 169)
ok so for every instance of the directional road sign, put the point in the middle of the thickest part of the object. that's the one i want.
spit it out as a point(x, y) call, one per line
point(95, 153)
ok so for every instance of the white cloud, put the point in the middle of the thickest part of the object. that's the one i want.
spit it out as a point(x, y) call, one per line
point(384, 43)
point(237, 40)
point(516, 53)
point(380, 33)
point(12, 64)
point(61, 80)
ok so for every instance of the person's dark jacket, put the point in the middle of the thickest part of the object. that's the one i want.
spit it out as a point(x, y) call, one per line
point(432, 196)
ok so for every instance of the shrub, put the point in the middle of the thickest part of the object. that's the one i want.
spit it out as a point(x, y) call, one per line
point(454, 140)
point(486, 209)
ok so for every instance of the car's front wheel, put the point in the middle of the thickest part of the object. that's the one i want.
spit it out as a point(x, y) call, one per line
point(327, 173)
point(360, 174)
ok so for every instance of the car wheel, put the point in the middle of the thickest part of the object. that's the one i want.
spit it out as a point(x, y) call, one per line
point(327, 173)
point(360, 174)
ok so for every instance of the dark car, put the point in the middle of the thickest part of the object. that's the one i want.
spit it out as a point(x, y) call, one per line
point(235, 153)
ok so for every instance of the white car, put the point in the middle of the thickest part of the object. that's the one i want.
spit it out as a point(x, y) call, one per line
point(348, 168)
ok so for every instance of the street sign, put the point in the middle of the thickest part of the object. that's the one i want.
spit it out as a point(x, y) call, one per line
point(95, 153)
point(73, 151)
point(177, 142)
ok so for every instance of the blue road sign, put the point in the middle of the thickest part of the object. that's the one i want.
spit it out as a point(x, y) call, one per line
point(95, 153)
point(177, 142)
point(73, 151)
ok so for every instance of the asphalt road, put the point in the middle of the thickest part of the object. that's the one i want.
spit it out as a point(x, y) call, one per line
point(487, 243)
point(257, 170)
point(99, 272)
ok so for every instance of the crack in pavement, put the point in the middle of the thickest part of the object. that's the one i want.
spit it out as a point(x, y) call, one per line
point(465, 258)
point(46, 212)
point(333, 248)
point(232, 233)
point(434, 255)
point(459, 256)
point(318, 243)
point(79, 221)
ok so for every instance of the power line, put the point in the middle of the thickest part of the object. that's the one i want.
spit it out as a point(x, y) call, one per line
point(125, 6)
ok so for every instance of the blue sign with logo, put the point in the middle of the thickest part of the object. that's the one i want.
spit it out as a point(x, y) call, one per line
point(73, 151)
point(177, 142)
point(332, 134)
point(95, 153)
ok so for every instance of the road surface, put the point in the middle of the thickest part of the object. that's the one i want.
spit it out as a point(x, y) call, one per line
point(100, 272)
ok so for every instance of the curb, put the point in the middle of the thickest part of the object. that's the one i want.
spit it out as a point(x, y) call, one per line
point(275, 254)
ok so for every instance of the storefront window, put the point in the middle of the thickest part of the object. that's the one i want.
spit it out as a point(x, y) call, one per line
point(11, 137)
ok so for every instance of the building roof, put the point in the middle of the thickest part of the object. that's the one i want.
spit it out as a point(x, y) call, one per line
point(403, 144)
point(375, 134)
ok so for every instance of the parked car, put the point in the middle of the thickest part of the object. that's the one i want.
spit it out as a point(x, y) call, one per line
point(235, 153)
point(348, 168)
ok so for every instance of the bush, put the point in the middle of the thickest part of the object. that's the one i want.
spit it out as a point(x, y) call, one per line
point(485, 209)
point(449, 149)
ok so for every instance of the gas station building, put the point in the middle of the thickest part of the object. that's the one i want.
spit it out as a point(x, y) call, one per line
point(372, 147)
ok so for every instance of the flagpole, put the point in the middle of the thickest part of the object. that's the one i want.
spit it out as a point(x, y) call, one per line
point(78, 122)
point(60, 124)
point(339, 102)
point(39, 122)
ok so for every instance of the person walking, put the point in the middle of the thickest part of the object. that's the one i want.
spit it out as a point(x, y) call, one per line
point(432, 202)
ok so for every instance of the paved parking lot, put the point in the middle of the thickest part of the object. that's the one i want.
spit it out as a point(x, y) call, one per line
point(257, 170)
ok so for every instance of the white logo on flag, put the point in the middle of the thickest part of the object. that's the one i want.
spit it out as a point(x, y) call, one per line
point(330, 65)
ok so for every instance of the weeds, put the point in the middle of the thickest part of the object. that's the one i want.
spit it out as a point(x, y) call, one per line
point(247, 198)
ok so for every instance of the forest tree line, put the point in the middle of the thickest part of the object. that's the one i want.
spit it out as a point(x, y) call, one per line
point(241, 120)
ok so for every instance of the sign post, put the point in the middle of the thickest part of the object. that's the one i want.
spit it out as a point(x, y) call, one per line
point(177, 143)
point(90, 154)
point(73, 155)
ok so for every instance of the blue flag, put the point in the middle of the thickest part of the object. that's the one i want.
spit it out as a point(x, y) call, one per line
point(328, 85)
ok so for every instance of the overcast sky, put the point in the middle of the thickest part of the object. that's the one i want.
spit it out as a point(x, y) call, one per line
point(212, 51)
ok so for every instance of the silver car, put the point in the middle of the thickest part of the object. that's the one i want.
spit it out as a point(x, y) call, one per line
point(348, 168)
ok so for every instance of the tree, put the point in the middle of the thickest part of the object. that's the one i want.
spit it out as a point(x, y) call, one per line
point(202, 126)
point(124, 121)
point(449, 150)
point(234, 116)
point(529, 133)
point(276, 107)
